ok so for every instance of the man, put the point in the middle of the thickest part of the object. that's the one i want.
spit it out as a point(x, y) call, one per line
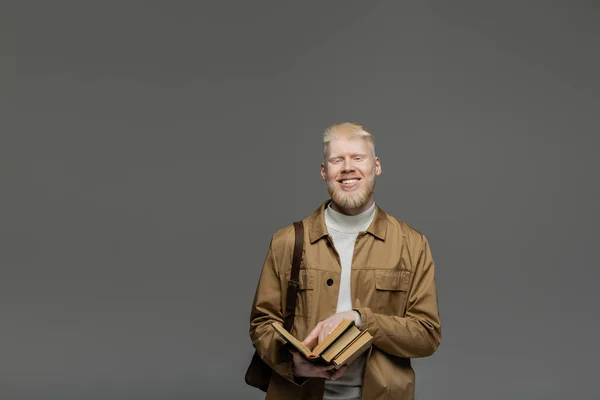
point(359, 263)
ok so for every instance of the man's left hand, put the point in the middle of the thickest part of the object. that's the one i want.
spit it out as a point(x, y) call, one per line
point(326, 326)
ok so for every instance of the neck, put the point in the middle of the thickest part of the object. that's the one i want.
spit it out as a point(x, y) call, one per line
point(352, 211)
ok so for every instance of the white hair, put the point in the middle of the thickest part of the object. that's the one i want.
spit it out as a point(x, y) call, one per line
point(347, 129)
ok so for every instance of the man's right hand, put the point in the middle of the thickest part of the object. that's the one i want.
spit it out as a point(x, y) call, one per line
point(304, 368)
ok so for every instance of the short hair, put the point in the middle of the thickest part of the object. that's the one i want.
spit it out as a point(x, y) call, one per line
point(347, 129)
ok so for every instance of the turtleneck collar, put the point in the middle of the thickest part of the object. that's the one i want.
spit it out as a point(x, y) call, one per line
point(349, 223)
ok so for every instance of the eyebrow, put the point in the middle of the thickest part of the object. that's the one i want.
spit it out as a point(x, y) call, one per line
point(351, 155)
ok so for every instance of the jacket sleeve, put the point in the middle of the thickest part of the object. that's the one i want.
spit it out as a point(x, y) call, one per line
point(418, 333)
point(267, 308)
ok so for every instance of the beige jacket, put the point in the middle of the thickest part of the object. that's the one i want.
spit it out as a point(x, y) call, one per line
point(393, 289)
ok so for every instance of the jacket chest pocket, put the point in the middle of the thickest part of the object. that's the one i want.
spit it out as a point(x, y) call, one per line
point(306, 285)
point(391, 291)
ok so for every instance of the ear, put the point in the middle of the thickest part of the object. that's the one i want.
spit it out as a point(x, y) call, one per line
point(378, 169)
point(323, 172)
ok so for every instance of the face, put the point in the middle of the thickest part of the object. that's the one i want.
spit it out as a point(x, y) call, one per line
point(349, 170)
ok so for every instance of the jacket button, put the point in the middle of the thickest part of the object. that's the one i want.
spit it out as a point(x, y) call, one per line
point(329, 282)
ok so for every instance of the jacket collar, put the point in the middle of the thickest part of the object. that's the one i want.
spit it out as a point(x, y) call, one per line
point(317, 227)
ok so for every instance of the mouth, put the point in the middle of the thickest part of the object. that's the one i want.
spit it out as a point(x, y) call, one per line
point(348, 180)
point(349, 183)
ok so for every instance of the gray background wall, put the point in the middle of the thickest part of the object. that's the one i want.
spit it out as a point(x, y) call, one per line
point(150, 149)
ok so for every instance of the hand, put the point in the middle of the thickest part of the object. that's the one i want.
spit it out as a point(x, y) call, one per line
point(326, 326)
point(304, 368)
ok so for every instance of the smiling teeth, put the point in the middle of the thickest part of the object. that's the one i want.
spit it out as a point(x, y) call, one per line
point(350, 180)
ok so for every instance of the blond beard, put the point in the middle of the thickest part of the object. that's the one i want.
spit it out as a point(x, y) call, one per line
point(351, 200)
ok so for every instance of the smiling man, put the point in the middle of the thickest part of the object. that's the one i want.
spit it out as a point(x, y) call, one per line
point(358, 263)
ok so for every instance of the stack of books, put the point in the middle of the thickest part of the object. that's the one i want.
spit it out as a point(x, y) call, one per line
point(342, 346)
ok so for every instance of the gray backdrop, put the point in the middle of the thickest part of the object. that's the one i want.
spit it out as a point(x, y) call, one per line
point(149, 150)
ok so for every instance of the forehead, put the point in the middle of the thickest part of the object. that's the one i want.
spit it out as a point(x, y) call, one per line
point(344, 145)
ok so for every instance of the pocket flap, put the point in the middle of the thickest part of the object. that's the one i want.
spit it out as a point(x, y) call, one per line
point(392, 280)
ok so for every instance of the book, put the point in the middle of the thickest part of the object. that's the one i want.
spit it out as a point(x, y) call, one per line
point(342, 346)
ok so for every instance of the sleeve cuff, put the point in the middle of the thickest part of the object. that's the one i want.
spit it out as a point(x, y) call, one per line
point(363, 317)
point(358, 319)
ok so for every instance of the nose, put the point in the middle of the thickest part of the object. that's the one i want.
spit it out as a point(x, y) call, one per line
point(348, 166)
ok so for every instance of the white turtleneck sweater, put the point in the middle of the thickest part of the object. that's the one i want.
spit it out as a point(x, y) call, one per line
point(344, 230)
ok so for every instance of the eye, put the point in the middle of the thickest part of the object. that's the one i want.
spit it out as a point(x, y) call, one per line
point(358, 158)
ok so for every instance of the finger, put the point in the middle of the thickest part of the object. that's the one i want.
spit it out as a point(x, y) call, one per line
point(329, 372)
point(325, 330)
point(313, 336)
point(311, 342)
point(322, 335)
point(337, 374)
point(320, 371)
point(325, 368)
point(325, 374)
point(312, 370)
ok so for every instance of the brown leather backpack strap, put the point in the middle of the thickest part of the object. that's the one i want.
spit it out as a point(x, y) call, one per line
point(293, 283)
point(259, 373)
